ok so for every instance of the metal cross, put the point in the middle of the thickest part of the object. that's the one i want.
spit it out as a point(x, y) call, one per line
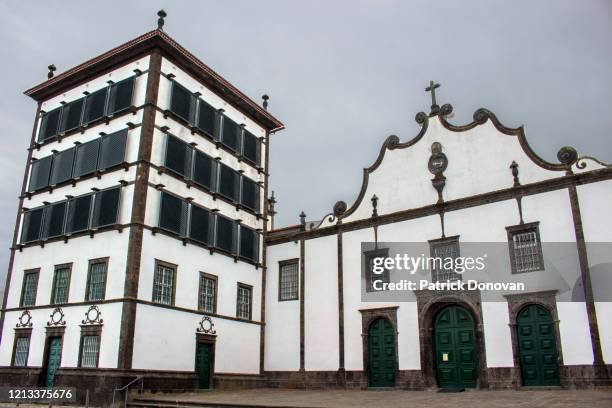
point(432, 87)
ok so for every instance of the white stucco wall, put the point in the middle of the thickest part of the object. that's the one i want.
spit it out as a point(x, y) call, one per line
point(282, 345)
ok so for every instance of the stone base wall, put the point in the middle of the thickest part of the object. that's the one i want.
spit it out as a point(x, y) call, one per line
point(101, 382)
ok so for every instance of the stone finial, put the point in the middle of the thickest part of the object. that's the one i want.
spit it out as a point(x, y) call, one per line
point(271, 209)
point(303, 219)
point(52, 69)
point(160, 21)
point(265, 98)
point(374, 205)
point(515, 173)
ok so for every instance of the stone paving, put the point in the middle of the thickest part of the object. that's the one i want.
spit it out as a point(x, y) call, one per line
point(398, 398)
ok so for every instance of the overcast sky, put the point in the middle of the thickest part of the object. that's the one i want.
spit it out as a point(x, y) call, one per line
point(342, 75)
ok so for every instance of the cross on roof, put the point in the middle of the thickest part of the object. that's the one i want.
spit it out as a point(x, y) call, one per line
point(434, 105)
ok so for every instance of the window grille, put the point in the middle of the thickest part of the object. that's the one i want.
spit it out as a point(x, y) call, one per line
point(244, 303)
point(30, 285)
point(372, 277)
point(163, 284)
point(207, 299)
point(441, 251)
point(289, 281)
point(97, 281)
point(90, 351)
point(525, 248)
point(61, 282)
point(22, 348)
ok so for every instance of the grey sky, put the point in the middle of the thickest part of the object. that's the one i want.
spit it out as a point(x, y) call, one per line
point(342, 75)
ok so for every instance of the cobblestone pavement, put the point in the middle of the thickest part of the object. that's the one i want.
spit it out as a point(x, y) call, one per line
point(399, 398)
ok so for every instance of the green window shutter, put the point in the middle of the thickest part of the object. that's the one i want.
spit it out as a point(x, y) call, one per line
point(120, 97)
point(71, 115)
point(78, 213)
point(32, 223)
point(95, 104)
point(39, 176)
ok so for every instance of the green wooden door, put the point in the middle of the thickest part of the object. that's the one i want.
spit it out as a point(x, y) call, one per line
point(381, 354)
point(537, 347)
point(54, 354)
point(203, 364)
point(455, 348)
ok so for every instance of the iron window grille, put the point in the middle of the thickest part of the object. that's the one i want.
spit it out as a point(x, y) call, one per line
point(525, 248)
point(29, 288)
point(207, 299)
point(96, 280)
point(288, 280)
point(244, 299)
point(370, 276)
point(21, 349)
point(61, 284)
point(444, 252)
point(90, 350)
point(164, 283)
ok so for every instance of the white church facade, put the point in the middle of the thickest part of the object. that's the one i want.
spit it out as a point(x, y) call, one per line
point(143, 247)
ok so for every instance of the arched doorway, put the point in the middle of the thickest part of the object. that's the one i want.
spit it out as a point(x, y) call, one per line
point(381, 354)
point(537, 346)
point(455, 353)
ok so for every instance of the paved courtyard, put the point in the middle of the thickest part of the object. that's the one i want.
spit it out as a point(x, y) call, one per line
point(396, 398)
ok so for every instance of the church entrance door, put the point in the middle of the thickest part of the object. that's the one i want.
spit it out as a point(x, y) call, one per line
point(537, 347)
point(455, 348)
point(381, 354)
point(203, 365)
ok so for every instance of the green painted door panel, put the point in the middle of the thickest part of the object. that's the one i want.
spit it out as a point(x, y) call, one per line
point(54, 354)
point(455, 348)
point(537, 347)
point(204, 364)
point(381, 354)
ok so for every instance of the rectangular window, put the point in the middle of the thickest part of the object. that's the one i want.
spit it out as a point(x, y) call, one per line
point(49, 124)
point(231, 134)
point(96, 280)
point(32, 222)
point(288, 280)
point(55, 215)
point(86, 161)
point(112, 149)
point(62, 166)
point(204, 170)
point(200, 225)
point(225, 234)
point(29, 288)
point(173, 214)
point(374, 278)
point(163, 283)
point(78, 213)
point(525, 248)
point(106, 208)
point(71, 115)
point(249, 244)
point(207, 301)
point(444, 252)
point(182, 102)
point(95, 104)
point(250, 194)
point(21, 351)
point(243, 304)
point(206, 118)
point(120, 97)
point(90, 349)
point(61, 284)
point(178, 156)
point(228, 182)
point(251, 148)
point(39, 176)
